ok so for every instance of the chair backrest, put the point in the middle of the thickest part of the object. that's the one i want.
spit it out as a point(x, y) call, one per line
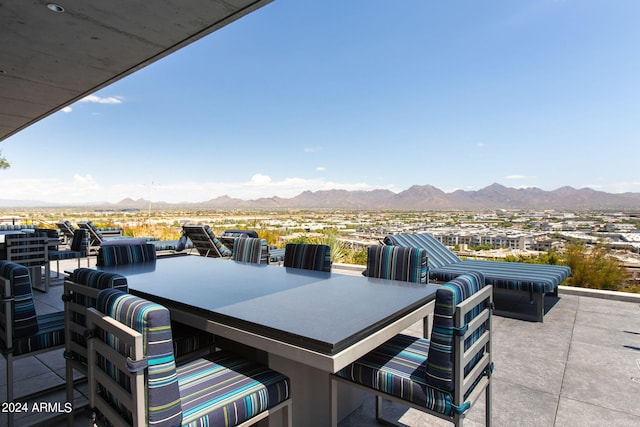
point(125, 254)
point(18, 305)
point(81, 290)
point(142, 340)
point(462, 317)
point(439, 255)
point(95, 236)
point(307, 256)
point(397, 263)
point(66, 228)
point(250, 249)
point(205, 241)
point(30, 249)
point(80, 240)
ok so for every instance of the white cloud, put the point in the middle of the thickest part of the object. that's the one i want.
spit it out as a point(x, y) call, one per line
point(67, 110)
point(102, 100)
point(480, 145)
point(320, 169)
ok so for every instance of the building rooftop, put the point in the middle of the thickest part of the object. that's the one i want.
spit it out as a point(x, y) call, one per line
point(581, 367)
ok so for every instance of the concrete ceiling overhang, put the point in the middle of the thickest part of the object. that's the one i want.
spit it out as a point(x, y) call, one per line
point(50, 59)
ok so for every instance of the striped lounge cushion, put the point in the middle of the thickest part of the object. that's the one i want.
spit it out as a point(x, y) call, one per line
point(250, 249)
point(25, 322)
point(535, 278)
point(439, 255)
point(397, 263)
point(307, 256)
point(224, 251)
point(153, 322)
point(226, 390)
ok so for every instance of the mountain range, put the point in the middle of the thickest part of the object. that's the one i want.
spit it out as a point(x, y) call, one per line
point(417, 197)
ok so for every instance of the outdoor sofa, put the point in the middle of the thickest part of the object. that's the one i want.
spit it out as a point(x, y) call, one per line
point(507, 278)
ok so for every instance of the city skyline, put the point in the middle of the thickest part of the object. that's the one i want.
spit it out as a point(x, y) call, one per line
point(296, 97)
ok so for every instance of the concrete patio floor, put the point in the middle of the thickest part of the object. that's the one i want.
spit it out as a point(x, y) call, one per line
point(581, 367)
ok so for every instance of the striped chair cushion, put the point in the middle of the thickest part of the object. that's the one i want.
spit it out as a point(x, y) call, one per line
point(125, 254)
point(535, 278)
point(80, 240)
point(440, 360)
point(250, 249)
point(397, 263)
point(308, 257)
point(50, 334)
point(153, 322)
point(226, 390)
point(439, 255)
point(25, 323)
point(398, 367)
point(187, 339)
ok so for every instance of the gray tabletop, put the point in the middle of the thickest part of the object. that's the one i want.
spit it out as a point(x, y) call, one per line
point(319, 311)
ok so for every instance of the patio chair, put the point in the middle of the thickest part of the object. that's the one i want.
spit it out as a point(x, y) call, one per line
point(81, 289)
point(23, 332)
point(443, 376)
point(79, 249)
point(134, 379)
point(250, 249)
point(205, 241)
point(507, 278)
point(396, 263)
point(307, 256)
point(32, 251)
point(111, 255)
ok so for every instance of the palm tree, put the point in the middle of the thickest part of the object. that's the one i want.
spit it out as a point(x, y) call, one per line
point(4, 164)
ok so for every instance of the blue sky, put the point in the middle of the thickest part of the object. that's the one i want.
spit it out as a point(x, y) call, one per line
point(358, 94)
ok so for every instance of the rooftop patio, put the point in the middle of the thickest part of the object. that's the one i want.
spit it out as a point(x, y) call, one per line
point(580, 367)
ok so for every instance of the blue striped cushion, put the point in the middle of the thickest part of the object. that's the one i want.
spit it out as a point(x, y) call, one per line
point(440, 360)
point(224, 251)
point(307, 256)
point(250, 249)
point(398, 367)
point(439, 255)
point(153, 322)
point(226, 390)
point(25, 322)
point(80, 240)
point(537, 278)
point(125, 254)
point(397, 263)
point(50, 334)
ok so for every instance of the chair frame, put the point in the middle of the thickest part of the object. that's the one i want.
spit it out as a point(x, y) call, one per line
point(461, 383)
point(37, 253)
point(134, 401)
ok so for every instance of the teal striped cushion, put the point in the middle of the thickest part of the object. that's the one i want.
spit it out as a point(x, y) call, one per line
point(226, 390)
point(25, 322)
point(50, 334)
point(440, 361)
point(396, 263)
point(125, 254)
point(250, 249)
point(307, 256)
point(153, 322)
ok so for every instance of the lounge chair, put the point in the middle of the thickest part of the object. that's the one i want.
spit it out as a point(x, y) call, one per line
point(507, 278)
point(205, 241)
point(66, 228)
point(229, 236)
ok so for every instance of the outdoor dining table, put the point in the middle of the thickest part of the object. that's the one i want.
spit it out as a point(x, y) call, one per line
point(308, 323)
